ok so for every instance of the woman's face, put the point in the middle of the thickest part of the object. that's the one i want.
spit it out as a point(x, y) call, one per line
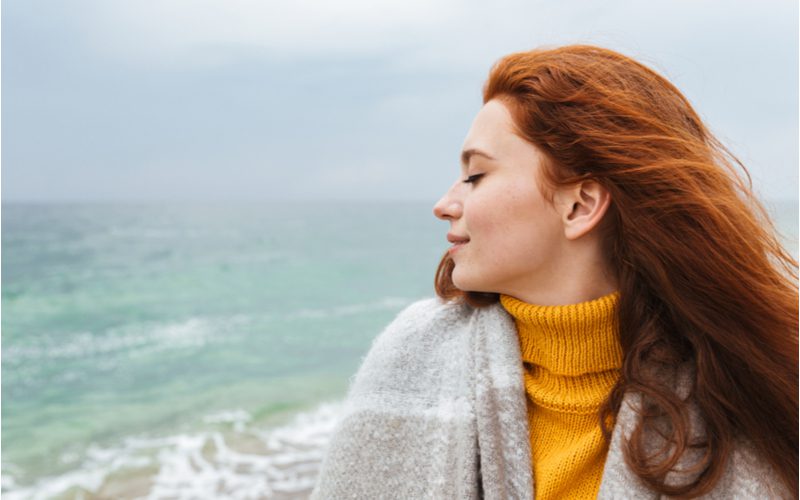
point(507, 237)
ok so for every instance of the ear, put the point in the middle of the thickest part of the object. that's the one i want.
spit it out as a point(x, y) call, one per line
point(582, 207)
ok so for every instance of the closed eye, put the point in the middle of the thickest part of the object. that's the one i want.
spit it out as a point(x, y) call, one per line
point(473, 178)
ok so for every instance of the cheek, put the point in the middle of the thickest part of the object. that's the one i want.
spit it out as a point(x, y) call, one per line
point(490, 211)
point(497, 214)
point(518, 231)
point(497, 239)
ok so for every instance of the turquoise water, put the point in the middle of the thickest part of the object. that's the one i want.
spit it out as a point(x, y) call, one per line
point(120, 320)
point(139, 342)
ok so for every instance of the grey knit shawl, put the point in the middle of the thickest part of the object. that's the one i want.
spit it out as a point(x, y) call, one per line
point(438, 410)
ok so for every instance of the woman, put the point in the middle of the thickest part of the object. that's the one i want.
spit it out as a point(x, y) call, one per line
point(616, 317)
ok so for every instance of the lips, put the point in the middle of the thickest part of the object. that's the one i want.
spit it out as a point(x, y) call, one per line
point(456, 239)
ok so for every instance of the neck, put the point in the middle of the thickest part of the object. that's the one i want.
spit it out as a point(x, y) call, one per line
point(579, 275)
point(567, 291)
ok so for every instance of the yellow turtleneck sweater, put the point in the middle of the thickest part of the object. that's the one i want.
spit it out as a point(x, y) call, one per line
point(572, 360)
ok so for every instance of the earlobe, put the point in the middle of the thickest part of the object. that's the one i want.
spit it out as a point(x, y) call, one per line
point(589, 201)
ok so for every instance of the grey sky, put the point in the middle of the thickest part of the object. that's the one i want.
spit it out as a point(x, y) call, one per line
point(357, 100)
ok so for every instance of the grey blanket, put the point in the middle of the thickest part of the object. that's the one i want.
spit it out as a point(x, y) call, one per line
point(437, 410)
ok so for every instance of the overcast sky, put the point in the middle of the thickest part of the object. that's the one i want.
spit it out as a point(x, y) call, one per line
point(356, 100)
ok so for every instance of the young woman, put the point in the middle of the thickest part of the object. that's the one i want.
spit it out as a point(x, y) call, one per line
point(616, 317)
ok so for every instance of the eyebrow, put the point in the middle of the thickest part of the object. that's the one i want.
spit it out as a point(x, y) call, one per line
point(469, 153)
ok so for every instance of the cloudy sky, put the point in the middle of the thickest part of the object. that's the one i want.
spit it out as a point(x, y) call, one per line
point(347, 100)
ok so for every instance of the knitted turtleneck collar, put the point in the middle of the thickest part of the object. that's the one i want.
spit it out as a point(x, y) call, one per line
point(568, 340)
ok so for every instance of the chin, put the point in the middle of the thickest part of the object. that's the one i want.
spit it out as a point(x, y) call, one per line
point(468, 283)
point(459, 280)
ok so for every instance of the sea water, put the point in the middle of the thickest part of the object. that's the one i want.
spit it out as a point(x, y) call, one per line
point(197, 350)
point(168, 350)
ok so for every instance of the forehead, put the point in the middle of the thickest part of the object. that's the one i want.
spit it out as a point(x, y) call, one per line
point(492, 130)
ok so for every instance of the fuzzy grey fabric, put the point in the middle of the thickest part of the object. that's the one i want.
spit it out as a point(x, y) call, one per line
point(438, 410)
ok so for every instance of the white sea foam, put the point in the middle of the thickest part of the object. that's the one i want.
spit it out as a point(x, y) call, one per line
point(131, 339)
point(146, 338)
point(278, 462)
point(238, 418)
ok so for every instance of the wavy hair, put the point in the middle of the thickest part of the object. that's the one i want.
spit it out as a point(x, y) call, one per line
point(702, 274)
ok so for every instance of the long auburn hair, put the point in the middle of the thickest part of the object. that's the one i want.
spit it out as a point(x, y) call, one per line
point(702, 274)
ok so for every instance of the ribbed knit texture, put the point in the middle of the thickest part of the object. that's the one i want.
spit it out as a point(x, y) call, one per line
point(572, 359)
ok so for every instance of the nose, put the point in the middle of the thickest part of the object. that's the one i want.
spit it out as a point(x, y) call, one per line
point(448, 207)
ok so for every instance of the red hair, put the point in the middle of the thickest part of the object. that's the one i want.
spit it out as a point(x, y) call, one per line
point(702, 274)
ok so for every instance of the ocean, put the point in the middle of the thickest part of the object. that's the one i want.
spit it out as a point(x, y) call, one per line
point(197, 350)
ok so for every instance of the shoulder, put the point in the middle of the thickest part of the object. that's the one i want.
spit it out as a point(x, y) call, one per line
point(433, 321)
point(419, 327)
point(746, 474)
point(410, 400)
point(429, 343)
point(426, 319)
point(434, 310)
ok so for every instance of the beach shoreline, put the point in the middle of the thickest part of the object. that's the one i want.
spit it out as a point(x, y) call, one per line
point(233, 458)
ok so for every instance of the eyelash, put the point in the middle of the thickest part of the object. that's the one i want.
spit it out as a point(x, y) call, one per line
point(472, 178)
